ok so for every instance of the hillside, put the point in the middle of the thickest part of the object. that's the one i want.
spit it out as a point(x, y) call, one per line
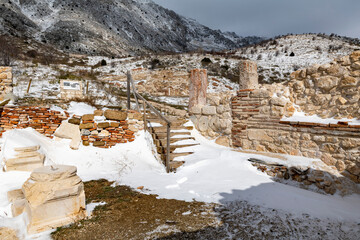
point(279, 57)
point(112, 27)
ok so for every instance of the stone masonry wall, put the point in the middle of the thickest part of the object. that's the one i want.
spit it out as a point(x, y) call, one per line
point(5, 81)
point(214, 119)
point(257, 126)
point(330, 90)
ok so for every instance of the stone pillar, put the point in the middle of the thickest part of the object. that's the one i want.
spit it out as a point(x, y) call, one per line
point(198, 87)
point(53, 197)
point(5, 82)
point(249, 78)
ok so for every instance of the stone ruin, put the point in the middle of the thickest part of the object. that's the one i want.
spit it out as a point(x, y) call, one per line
point(53, 196)
point(70, 89)
point(249, 78)
point(25, 159)
point(5, 82)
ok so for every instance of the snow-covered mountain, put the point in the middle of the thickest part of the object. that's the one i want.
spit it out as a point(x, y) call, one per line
point(279, 57)
point(111, 27)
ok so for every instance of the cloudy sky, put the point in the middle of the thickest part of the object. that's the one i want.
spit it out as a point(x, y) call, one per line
point(273, 17)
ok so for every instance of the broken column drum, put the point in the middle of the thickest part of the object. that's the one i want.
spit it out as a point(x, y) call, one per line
point(54, 197)
point(198, 87)
point(249, 78)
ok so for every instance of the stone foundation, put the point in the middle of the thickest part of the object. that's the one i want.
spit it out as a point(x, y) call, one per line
point(5, 81)
point(257, 126)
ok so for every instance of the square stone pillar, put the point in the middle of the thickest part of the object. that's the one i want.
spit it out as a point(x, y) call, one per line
point(249, 78)
point(198, 87)
point(5, 82)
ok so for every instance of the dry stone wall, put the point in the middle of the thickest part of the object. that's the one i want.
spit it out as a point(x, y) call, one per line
point(214, 118)
point(330, 90)
point(257, 126)
point(5, 81)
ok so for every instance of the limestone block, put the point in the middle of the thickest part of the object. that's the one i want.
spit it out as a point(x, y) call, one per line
point(326, 83)
point(259, 135)
point(215, 124)
point(209, 110)
point(86, 126)
point(135, 115)
point(213, 100)
point(223, 141)
point(15, 195)
point(198, 87)
point(278, 101)
point(75, 121)
point(70, 131)
point(328, 159)
point(88, 117)
point(313, 69)
point(98, 113)
point(8, 234)
point(340, 165)
point(24, 163)
point(220, 109)
point(355, 65)
point(355, 56)
point(203, 124)
point(260, 93)
point(18, 207)
point(115, 115)
point(104, 133)
point(103, 125)
point(249, 78)
point(195, 109)
point(345, 61)
point(54, 197)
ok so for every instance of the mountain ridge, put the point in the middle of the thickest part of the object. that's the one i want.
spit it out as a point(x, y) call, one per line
point(111, 27)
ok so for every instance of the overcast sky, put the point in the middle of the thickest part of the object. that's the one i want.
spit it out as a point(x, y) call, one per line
point(269, 18)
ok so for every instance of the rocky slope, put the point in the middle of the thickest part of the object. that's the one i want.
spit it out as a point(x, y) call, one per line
point(279, 57)
point(111, 27)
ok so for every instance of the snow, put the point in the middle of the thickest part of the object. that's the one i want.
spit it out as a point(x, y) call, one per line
point(301, 117)
point(79, 109)
point(91, 206)
point(212, 173)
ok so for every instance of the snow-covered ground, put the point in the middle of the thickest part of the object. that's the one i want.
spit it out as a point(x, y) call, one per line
point(276, 64)
point(212, 174)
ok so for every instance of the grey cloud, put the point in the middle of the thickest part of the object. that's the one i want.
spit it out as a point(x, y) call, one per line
point(273, 17)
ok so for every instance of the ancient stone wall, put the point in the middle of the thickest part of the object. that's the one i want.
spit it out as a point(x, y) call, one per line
point(214, 118)
point(257, 126)
point(330, 90)
point(5, 81)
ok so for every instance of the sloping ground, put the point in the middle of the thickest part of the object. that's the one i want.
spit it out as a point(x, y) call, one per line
point(278, 58)
point(213, 174)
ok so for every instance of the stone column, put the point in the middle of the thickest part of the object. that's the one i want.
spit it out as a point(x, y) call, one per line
point(198, 87)
point(249, 78)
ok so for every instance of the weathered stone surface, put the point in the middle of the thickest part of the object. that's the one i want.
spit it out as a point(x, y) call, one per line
point(98, 113)
point(70, 131)
point(203, 123)
point(326, 83)
point(103, 125)
point(340, 165)
point(209, 110)
point(15, 195)
point(260, 135)
point(249, 78)
point(328, 159)
point(86, 126)
point(88, 117)
point(8, 234)
point(104, 133)
point(349, 81)
point(98, 144)
point(115, 115)
point(114, 124)
point(54, 197)
point(135, 115)
point(195, 109)
point(223, 141)
point(198, 87)
point(75, 121)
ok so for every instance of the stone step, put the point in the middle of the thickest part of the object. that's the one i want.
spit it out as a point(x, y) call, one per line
point(163, 141)
point(175, 155)
point(172, 134)
point(27, 149)
point(175, 165)
point(163, 129)
point(163, 149)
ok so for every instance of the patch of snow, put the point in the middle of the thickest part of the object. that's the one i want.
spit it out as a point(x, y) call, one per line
point(91, 206)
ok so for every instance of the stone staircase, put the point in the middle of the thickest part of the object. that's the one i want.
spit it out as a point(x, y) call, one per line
point(180, 137)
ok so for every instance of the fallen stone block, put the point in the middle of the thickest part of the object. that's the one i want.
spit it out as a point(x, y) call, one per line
point(54, 197)
point(115, 115)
